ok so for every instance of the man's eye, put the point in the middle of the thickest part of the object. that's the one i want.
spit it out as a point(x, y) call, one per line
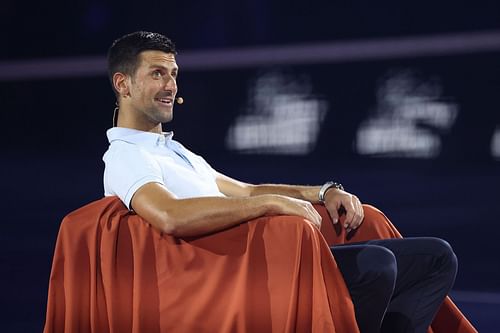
point(157, 74)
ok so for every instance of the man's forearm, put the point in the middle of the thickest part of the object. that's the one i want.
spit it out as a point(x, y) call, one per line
point(307, 193)
point(202, 215)
point(198, 216)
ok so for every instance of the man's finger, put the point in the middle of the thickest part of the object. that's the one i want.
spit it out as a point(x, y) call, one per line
point(317, 216)
point(334, 215)
point(359, 213)
point(348, 218)
point(350, 213)
point(312, 215)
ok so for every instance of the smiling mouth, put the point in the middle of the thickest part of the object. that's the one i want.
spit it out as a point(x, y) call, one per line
point(165, 101)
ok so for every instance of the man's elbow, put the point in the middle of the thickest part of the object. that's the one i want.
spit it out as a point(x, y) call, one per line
point(176, 230)
point(168, 224)
point(170, 229)
point(176, 226)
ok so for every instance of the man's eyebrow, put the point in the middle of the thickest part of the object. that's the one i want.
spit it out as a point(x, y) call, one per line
point(163, 67)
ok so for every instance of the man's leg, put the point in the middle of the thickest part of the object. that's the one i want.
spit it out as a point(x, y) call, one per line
point(426, 272)
point(369, 272)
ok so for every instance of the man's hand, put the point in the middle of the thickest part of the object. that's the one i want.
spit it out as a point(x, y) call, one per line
point(283, 205)
point(339, 202)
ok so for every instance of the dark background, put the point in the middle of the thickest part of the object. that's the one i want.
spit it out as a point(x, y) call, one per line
point(53, 131)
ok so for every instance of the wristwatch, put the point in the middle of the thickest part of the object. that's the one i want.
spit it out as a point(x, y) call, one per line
point(326, 186)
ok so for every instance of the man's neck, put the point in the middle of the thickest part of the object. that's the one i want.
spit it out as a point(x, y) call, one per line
point(138, 125)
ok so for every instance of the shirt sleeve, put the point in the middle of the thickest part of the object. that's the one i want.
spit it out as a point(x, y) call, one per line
point(127, 168)
point(212, 171)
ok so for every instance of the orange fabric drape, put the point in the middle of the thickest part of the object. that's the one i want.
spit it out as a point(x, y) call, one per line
point(112, 272)
point(376, 225)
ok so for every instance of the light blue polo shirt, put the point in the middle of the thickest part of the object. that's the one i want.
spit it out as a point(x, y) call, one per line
point(135, 158)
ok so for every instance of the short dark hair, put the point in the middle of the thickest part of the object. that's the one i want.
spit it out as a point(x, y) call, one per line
point(124, 52)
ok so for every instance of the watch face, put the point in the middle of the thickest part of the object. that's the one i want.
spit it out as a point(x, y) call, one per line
point(338, 186)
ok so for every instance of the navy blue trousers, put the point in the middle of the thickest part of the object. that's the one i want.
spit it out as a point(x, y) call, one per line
point(397, 285)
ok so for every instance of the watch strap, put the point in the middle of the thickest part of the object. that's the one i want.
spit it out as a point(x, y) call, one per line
point(326, 186)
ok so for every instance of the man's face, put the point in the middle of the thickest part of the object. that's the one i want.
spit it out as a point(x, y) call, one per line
point(153, 86)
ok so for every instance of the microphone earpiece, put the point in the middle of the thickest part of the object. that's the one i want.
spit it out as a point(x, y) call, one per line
point(179, 100)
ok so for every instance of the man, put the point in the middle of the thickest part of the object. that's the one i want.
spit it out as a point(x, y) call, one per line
point(396, 285)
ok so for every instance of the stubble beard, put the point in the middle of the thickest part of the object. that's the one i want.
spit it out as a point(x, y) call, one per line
point(160, 116)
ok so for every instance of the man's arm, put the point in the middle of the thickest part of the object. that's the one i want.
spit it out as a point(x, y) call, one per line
point(198, 216)
point(336, 200)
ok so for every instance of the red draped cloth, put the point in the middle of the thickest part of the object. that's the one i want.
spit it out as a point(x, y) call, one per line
point(113, 272)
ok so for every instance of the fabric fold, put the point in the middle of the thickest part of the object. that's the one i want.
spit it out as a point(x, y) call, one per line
point(113, 272)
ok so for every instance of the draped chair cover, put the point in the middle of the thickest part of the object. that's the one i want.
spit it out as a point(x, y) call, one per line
point(113, 272)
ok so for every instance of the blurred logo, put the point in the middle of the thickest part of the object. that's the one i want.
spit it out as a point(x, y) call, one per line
point(282, 116)
point(409, 119)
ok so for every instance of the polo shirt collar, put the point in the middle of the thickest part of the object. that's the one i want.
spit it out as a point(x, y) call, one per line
point(137, 137)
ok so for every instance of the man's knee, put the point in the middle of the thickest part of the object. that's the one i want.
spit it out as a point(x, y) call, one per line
point(378, 265)
point(445, 256)
point(435, 253)
point(367, 266)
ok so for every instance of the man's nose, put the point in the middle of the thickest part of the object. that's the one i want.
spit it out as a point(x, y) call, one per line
point(170, 84)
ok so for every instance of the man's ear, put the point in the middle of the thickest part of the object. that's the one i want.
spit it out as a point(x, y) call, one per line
point(121, 84)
